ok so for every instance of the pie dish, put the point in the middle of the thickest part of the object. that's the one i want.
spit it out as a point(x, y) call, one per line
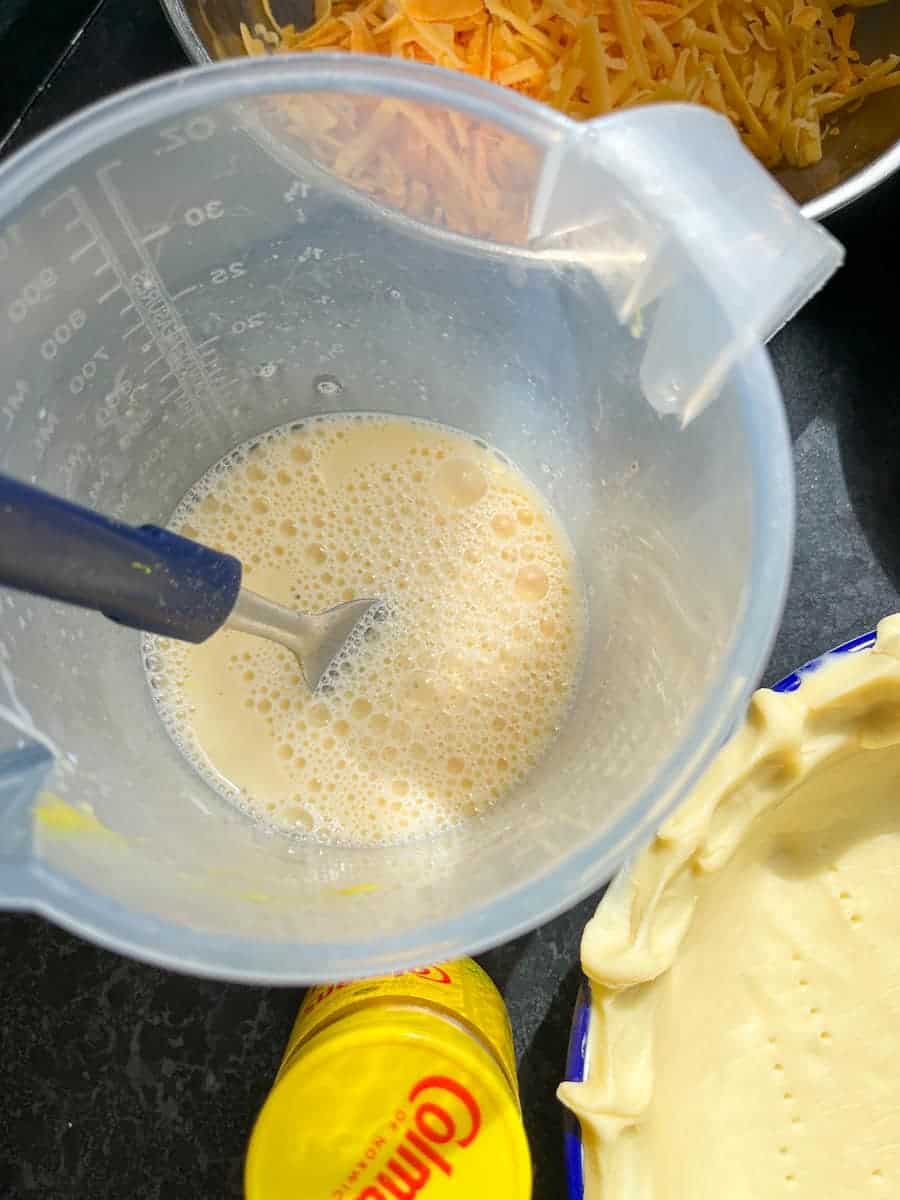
point(743, 1032)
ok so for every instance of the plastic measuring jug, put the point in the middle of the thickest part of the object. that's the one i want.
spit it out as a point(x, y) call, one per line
point(184, 267)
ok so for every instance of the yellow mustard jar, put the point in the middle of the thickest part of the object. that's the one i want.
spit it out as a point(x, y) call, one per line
point(395, 1088)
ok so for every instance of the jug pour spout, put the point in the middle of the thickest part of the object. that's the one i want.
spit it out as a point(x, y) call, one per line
point(702, 254)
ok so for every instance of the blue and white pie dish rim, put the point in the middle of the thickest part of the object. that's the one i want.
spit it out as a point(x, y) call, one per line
point(579, 1038)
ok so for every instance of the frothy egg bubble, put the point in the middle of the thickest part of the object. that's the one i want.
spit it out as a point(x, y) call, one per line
point(454, 690)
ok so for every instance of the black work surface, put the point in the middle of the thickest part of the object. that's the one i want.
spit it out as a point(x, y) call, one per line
point(119, 1080)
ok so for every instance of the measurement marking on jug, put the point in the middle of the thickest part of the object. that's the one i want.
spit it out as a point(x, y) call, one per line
point(176, 137)
point(185, 292)
point(70, 195)
point(82, 250)
point(160, 315)
point(85, 218)
point(15, 402)
point(156, 233)
point(34, 293)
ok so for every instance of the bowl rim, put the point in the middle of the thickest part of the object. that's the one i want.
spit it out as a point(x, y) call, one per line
point(578, 1051)
point(825, 205)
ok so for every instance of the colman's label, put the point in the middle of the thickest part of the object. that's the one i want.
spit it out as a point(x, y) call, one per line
point(395, 1089)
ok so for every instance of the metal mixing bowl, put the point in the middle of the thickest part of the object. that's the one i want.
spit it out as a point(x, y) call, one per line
point(857, 159)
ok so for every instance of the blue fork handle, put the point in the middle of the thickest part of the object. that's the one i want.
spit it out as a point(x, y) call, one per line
point(145, 577)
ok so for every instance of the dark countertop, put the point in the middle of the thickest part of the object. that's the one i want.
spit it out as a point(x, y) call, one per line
point(122, 1080)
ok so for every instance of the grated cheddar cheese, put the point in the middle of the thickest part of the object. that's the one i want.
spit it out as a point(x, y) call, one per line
point(779, 69)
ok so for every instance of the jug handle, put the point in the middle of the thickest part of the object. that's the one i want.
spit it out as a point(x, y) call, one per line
point(707, 231)
point(145, 577)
